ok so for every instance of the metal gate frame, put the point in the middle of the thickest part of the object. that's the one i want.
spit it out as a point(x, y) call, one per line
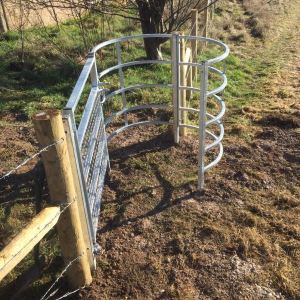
point(92, 164)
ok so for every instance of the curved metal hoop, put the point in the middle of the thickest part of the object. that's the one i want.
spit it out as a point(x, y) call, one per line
point(90, 138)
point(98, 91)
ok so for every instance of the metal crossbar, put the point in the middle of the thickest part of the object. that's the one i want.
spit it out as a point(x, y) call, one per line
point(91, 137)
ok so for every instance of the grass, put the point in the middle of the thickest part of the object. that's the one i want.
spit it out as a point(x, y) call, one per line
point(53, 61)
point(51, 72)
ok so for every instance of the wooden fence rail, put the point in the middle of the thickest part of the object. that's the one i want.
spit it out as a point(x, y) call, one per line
point(24, 242)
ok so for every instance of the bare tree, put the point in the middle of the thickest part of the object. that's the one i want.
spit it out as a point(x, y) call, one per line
point(155, 16)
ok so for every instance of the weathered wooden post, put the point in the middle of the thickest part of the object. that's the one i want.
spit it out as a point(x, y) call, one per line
point(75, 167)
point(194, 43)
point(189, 73)
point(205, 19)
point(212, 10)
point(175, 85)
point(49, 128)
point(183, 82)
point(3, 18)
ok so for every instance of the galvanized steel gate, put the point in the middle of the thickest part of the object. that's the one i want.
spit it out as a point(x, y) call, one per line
point(90, 137)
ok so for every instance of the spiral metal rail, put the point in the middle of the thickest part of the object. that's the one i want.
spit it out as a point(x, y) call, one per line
point(91, 137)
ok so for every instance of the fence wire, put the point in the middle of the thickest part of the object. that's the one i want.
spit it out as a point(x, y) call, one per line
point(70, 293)
point(27, 160)
point(46, 296)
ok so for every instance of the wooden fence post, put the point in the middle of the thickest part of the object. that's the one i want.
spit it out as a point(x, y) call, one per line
point(206, 5)
point(3, 18)
point(183, 82)
point(194, 43)
point(189, 73)
point(175, 85)
point(49, 128)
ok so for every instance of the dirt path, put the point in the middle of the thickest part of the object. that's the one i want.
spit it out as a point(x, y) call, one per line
point(241, 239)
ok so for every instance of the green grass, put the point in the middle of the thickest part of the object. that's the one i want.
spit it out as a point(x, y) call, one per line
point(54, 58)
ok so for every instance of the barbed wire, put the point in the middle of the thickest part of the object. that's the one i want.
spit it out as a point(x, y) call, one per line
point(46, 296)
point(59, 277)
point(70, 293)
point(27, 160)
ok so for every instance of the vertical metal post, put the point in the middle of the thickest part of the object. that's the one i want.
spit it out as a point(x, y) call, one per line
point(202, 124)
point(121, 76)
point(83, 205)
point(175, 84)
point(69, 115)
point(94, 71)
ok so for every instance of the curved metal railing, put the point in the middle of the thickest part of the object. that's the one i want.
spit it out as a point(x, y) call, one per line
point(91, 135)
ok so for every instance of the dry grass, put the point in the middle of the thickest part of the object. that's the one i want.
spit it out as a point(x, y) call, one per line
point(261, 15)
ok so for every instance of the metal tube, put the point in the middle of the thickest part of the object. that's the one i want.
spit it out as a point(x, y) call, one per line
point(215, 162)
point(87, 161)
point(68, 114)
point(86, 116)
point(122, 81)
point(143, 36)
point(136, 86)
point(94, 73)
point(218, 139)
point(183, 82)
point(202, 125)
point(78, 89)
point(133, 63)
point(109, 119)
point(145, 123)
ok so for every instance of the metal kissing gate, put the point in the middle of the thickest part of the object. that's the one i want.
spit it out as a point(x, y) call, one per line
point(90, 137)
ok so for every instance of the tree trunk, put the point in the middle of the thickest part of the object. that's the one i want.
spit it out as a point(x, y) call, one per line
point(148, 26)
point(151, 48)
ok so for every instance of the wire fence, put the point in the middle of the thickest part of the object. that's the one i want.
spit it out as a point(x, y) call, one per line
point(38, 191)
point(27, 160)
point(47, 297)
point(41, 230)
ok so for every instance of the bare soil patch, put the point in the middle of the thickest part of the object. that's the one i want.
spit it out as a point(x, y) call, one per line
point(162, 240)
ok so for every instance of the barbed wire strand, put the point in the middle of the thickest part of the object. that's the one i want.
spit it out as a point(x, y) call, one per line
point(27, 160)
point(45, 226)
point(60, 276)
point(53, 293)
point(70, 293)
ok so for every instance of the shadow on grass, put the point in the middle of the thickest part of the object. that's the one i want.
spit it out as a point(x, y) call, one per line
point(23, 188)
point(22, 86)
